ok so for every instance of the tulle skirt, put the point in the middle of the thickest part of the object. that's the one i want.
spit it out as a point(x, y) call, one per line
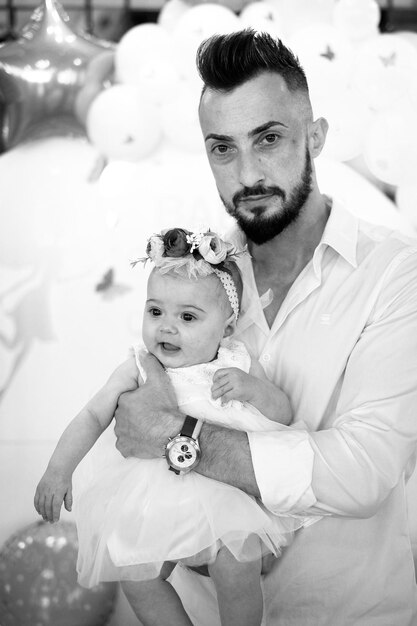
point(137, 514)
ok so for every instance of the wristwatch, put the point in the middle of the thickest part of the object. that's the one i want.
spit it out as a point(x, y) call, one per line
point(182, 452)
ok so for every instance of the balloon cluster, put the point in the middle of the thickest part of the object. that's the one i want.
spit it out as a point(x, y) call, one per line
point(38, 581)
point(146, 90)
point(363, 82)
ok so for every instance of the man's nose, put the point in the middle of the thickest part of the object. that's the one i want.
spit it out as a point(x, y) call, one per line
point(251, 172)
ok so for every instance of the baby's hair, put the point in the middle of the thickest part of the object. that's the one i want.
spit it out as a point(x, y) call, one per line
point(228, 266)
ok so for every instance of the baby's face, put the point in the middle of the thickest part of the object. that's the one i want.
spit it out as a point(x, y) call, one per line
point(184, 320)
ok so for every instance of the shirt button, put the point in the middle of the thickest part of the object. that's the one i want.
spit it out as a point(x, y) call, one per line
point(266, 357)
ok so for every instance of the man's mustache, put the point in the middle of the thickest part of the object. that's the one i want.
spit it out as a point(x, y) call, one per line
point(258, 190)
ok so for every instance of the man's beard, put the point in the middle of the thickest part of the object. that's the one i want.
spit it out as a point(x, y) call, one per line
point(261, 229)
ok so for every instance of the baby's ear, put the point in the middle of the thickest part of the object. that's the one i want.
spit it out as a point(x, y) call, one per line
point(230, 326)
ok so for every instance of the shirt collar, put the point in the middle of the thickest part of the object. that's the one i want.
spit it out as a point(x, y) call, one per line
point(340, 233)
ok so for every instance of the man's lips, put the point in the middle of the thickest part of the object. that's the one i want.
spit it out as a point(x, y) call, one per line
point(256, 198)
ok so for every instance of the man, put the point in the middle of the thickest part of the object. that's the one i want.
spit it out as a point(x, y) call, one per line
point(330, 310)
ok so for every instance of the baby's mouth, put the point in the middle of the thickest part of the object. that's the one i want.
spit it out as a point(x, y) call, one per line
point(169, 347)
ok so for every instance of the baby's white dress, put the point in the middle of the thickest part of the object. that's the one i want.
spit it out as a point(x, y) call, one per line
point(135, 513)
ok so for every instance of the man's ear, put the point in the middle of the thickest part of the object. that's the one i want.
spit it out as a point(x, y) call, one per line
point(318, 136)
point(229, 326)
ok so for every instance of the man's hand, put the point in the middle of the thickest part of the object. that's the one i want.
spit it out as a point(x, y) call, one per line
point(146, 417)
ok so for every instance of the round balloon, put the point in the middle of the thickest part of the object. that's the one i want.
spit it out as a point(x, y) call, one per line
point(406, 201)
point(195, 25)
point(99, 76)
point(357, 19)
point(390, 147)
point(123, 124)
point(144, 58)
point(326, 55)
point(385, 71)
point(348, 119)
point(38, 581)
point(180, 121)
point(170, 13)
point(298, 14)
point(264, 17)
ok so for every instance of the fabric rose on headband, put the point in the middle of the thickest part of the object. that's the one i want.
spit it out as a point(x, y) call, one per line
point(213, 249)
point(189, 253)
point(176, 243)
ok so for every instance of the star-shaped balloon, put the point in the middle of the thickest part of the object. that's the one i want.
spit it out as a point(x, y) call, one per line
point(42, 74)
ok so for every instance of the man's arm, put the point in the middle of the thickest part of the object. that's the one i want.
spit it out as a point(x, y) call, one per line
point(148, 416)
point(345, 470)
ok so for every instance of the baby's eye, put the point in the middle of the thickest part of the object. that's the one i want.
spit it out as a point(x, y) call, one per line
point(188, 317)
point(154, 311)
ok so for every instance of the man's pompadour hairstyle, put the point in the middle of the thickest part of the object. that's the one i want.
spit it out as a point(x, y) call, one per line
point(225, 62)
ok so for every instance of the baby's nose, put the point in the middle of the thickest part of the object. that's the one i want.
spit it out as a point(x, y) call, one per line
point(167, 327)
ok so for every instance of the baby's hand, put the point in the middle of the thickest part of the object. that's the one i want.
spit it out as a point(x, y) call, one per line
point(52, 491)
point(231, 383)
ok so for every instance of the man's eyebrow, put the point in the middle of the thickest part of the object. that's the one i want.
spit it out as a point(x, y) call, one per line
point(266, 126)
point(252, 133)
point(218, 137)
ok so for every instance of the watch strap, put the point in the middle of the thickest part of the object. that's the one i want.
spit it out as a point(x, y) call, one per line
point(191, 427)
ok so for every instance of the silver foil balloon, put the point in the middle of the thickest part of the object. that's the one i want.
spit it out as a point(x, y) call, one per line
point(38, 581)
point(41, 76)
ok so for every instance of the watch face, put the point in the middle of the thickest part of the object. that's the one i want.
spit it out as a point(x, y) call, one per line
point(182, 453)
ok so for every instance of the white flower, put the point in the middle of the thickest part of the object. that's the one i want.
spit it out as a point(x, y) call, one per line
point(213, 249)
point(156, 249)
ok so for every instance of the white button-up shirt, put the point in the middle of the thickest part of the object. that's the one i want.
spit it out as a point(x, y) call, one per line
point(343, 347)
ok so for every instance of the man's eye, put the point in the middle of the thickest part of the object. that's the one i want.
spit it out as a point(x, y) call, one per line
point(188, 317)
point(220, 149)
point(270, 138)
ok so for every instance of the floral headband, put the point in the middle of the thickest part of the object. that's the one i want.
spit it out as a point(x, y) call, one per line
point(194, 255)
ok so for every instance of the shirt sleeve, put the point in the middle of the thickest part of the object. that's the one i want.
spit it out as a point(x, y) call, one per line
point(350, 468)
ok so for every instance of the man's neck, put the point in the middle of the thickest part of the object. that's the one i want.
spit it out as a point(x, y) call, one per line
point(277, 263)
point(292, 249)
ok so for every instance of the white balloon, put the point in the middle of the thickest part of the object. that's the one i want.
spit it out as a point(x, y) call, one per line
point(156, 78)
point(358, 194)
point(326, 56)
point(385, 71)
point(263, 17)
point(390, 148)
point(138, 44)
point(406, 200)
point(196, 25)
point(357, 19)
point(144, 58)
point(348, 119)
point(297, 14)
point(180, 121)
point(170, 13)
point(122, 124)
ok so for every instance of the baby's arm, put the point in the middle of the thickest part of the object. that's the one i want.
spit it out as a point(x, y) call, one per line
point(232, 383)
point(80, 435)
